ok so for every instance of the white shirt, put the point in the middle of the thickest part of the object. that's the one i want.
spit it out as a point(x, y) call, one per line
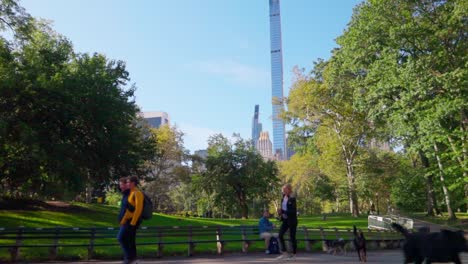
point(284, 205)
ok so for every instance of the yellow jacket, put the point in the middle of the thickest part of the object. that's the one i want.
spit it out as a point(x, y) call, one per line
point(136, 199)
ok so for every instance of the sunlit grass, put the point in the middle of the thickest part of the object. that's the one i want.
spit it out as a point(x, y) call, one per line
point(95, 215)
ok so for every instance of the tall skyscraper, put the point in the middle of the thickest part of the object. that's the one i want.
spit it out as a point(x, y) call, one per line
point(264, 145)
point(279, 141)
point(256, 126)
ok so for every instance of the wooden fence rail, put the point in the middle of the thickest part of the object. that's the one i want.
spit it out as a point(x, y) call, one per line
point(61, 237)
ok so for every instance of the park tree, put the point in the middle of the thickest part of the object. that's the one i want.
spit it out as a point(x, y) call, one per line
point(324, 99)
point(15, 19)
point(168, 175)
point(312, 187)
point(66, 120)
point(410, 59)
point(236, 174)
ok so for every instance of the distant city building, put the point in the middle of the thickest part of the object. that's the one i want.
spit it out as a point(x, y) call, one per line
point(202, 153)
point(156, 119)
point(382, 145)
point(279, 142)
point(256, 126)
point(290, 149)
point(264, 146)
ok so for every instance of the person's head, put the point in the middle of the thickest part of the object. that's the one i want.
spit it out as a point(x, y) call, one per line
point(123, 183)
point(133, 182)
point(287, 189)
point(266, 213)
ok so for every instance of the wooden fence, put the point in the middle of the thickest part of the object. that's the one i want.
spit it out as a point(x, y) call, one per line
point(14, 239)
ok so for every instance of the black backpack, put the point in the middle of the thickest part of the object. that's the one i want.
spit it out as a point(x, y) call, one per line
point(273, 247)
point(147, 212)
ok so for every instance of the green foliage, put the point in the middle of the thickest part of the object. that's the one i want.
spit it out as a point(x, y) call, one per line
point(411, 61)
point(236, 174)
point(311, 186)
point(113, 197)
point(66, 119)
point(399, 75)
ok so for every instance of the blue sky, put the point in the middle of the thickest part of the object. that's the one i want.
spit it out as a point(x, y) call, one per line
point(205, 62)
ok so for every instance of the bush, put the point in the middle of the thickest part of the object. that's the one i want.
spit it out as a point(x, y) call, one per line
point(113, 197)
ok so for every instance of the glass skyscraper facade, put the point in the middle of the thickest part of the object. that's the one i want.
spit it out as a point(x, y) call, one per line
point(279, 140)
point(256, 125)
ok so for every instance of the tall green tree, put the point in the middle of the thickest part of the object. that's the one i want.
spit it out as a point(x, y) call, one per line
point(236, 174)
point(410, 59)
point(66, 119)
point(168, 176)
point(311, 186)
point(325, 99)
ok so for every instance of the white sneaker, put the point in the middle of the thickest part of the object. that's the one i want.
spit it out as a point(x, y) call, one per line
point(267, 251)
point(282, 256)
point(291, 257)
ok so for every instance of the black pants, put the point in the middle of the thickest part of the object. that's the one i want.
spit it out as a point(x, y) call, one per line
point(292, 226)
point(128, 243)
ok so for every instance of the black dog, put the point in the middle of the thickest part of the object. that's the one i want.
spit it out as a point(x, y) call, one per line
point(335, 246)
point(360, 245)
point(443, 246)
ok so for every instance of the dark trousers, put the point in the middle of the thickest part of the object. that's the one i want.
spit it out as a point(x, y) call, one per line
point(292, 226)
point(126, 237)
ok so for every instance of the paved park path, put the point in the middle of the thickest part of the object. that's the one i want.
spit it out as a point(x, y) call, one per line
point(433, 227)
point(383, 256)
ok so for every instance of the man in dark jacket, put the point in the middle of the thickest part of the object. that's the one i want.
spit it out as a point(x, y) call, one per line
point(123, 185)
point(288, 216)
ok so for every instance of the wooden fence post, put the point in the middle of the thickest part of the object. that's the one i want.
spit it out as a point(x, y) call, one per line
point(191, 245)
point(336, 233)
point(322, 235)
point(306, 239)
point(15, 251)
point(91, 243)
point(53, 249)
point(245, 243)
point(160, 242)
point(219, 238)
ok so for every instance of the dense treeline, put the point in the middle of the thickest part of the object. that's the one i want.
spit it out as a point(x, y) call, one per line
point(398, 79)
point(67, 120)
point(398, 76)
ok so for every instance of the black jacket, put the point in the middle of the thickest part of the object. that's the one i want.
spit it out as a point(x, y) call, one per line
point(291, 211)
point(123, 204)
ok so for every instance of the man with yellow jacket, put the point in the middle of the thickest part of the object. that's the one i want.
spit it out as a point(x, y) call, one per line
point(132, 220)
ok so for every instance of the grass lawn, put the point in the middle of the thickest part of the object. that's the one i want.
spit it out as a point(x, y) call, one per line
point(94, 215)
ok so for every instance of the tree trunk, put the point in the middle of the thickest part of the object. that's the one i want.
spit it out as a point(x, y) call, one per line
point(451, 214)
point(243, 205)
point(431, 200)
point(353, 200)
point(464, 150)
point(89, 190)
point(461, 158)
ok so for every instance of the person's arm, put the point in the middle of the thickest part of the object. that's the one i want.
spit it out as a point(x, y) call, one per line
point(125, 217)
point(139, 199)
point(269, 225)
